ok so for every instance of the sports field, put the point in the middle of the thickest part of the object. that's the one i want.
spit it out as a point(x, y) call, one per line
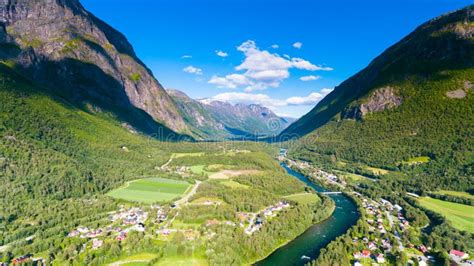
point(150, 190)
point(461, 216)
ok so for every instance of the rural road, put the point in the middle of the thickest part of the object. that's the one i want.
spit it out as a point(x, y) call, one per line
point(186, 198)
point(164, 166)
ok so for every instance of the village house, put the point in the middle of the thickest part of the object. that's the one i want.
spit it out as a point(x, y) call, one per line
point(456, 254)
point(365, 253)
point(22, 259)
point(380, 258)
point(372, 246)
point(97, 243)
point(423, 249)
point(121, 236)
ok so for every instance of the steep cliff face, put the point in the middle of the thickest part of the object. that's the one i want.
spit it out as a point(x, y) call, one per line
point(443, 43)
point(87, 60)
point(381, 99)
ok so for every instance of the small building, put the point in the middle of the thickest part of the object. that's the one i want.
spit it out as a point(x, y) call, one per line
point(458, 254)
point(423, 249)
point(97, 243)
point(372, 246)
point(365, 253)
point(380, 258)
point(22, 259)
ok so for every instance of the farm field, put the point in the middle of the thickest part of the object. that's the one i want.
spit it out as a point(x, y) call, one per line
point(461, 216)
point(377, 171)
point(460, 194)
point(233, 184)
point(135, 260)
point(304, 198)
point(182, 262)
point(150, 190)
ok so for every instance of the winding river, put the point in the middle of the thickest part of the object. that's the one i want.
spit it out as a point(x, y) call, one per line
point(317, 236)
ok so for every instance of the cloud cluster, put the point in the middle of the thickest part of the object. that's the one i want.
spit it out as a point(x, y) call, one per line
point(309, 78)
point(221, 53)
point(193, 70)
point(267, 101)
point(298, 45)
point(262, 69)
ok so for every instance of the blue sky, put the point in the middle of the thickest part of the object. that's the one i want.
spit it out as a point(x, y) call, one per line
point(285, 54)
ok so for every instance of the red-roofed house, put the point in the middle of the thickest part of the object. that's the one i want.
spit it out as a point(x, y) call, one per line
point(459, 254)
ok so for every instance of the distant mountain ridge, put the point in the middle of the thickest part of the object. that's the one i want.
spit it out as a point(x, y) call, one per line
point(58, 44)
point(221, 120)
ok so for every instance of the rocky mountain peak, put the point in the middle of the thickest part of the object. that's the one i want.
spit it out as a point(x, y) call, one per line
point(63, 44)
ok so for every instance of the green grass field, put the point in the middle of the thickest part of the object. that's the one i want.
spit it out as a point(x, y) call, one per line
point(377, 171)
point(150, 190)
point(460, 194)
point(182, 262)
point(136, 260)
point(304, 198)
point(461, 216)
point(417, 160)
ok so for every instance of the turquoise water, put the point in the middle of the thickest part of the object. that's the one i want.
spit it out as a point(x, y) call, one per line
point(317, 236)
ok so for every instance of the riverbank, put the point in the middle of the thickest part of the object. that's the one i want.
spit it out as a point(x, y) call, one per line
point(331, 209)
point(307, 245)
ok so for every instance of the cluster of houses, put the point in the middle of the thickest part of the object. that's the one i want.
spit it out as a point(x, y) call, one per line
point(318, 173)
point(161, 214)
point(379, 258)
point(26, 259)
point(85, 232)
point(132, 216)
point(256, 220)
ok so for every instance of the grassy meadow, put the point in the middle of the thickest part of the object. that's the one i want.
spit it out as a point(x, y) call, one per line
point(461, 216)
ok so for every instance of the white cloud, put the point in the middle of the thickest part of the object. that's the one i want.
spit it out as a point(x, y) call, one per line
point(262, 69)
point(193, 70)
point(267, 101)
point(275, 46)
point(311, 99)
point(221, 53)
point(231, 81)
point(297, 45)
point(186, 56)
point(309, 78)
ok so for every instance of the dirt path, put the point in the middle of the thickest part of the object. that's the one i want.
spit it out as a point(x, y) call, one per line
point(164, 166)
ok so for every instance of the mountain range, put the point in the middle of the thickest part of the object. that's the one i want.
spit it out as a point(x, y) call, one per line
point(213, 120)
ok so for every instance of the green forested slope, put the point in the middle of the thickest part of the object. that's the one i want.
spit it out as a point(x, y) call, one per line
point(416, 99)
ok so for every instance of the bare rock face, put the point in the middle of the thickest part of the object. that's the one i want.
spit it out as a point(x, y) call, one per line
point(64, 45)
point(460, 93)
point(380, 100)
